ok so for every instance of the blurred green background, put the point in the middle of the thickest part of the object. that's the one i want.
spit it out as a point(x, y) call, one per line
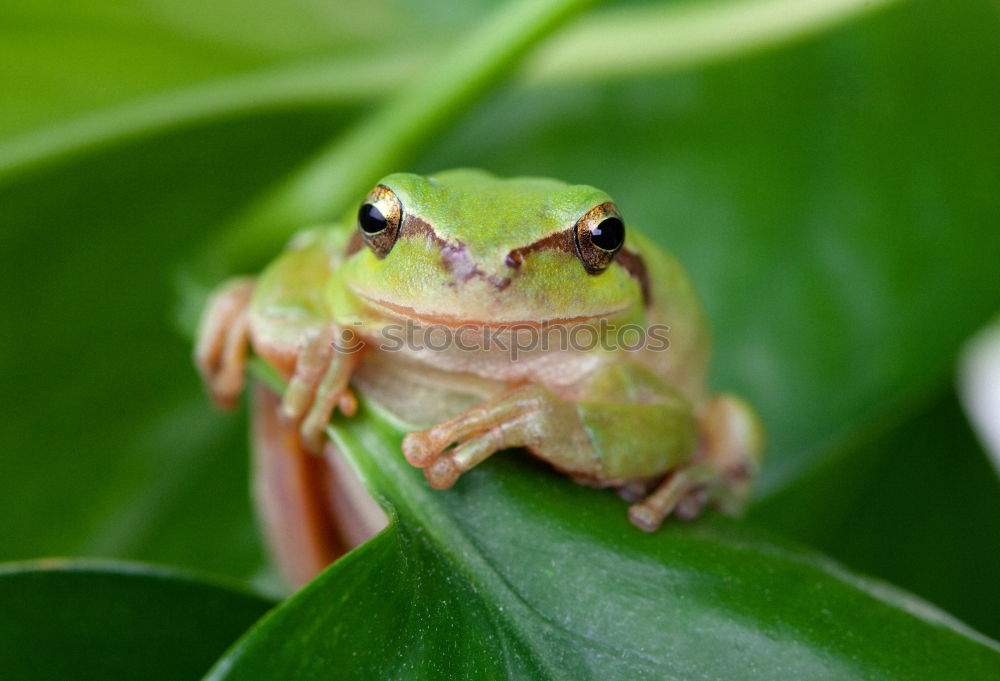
point(835, 199)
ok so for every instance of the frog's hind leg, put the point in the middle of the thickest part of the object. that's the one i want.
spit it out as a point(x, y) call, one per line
point(721, 472)
point(311, 507)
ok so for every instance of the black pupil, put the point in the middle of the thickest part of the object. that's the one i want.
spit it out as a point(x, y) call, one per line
point(609, 234)
point(371, 219)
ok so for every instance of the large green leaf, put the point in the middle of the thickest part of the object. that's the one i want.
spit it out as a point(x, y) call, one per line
point(917, 506)
point(518, 573)
point(108, 445)
point(65, 620)
point(273, 60)
point(67, 62)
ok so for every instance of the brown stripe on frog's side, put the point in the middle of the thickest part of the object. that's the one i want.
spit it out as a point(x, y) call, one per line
point(412, 226)
point(565, 241)
point(354, 244)
point(557, 241)
point(636, 267)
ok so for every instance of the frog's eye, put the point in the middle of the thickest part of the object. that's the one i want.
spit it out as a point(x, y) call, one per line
point(599, 235)
point(379, 218)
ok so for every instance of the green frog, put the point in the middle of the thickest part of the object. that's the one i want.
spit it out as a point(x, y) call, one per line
point(486, 314)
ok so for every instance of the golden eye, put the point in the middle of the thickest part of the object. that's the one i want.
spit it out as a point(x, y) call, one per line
point(599, 235)
point(379, 218)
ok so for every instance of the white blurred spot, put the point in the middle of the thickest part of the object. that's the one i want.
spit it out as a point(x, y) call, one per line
point(979, 388)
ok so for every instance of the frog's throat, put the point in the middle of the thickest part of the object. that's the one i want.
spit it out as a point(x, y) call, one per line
point(408, 313)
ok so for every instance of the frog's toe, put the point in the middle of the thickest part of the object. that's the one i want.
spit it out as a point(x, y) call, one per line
point(687, 506)
point(319, 386)
point(449, 466)
point(220, 353)
point(691, 506)
point(428, 449)
point(312, 438)
point(347, 403)
point(226, 383)
point(310, 365)
point(645, 518)
point(423, 448)
point(313, 428)
point(419, 449)
point(443, 473)
point(682, 492)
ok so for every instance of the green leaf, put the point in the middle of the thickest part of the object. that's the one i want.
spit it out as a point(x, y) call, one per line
point(109, 446)
point(519, 573)
point(66, 63)
point(659, 38)
point(652, 38)
point(107, 621)
point(917, 506)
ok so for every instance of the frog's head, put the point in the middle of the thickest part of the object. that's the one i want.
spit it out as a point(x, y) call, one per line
point(464, 246)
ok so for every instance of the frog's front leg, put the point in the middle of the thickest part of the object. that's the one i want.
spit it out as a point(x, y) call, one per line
point(292, 328)
point(529, 416)
point(622, 425)
point(284, 316)
point(223, 338)
point(625, 427)
point(604, 443)
point(323, 368)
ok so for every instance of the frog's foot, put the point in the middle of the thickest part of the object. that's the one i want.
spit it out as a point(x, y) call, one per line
point(683, 493)
point(528, 417)
point(721, 473)
point(319, 384)
point(221, 349)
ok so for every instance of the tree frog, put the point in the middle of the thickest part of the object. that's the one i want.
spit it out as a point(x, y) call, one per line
point(558, 330)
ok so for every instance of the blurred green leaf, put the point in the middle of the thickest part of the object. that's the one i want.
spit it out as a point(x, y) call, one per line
point(519, 573)
point(978, 388)
point(918, 506)
point(108, 446)
point(651, 38)
point(646, 38)
point(66, 620)
point(64, 61)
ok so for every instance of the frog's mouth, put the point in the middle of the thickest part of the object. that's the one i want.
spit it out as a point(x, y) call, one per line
point(452, 321)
